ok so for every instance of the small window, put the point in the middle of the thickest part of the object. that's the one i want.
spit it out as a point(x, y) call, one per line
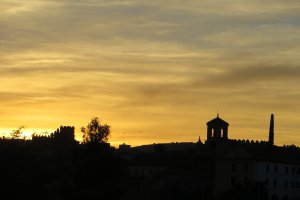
point(275, 168)
point(287, 169)
point(267, 168)
point(142, 171)
point(267, 182)
point(233, 167)
point(286, 184)
point(246, 166)
point(275, 183)
point(293, 184)
point(233, 180)
point(293, 170)
point(297, 184)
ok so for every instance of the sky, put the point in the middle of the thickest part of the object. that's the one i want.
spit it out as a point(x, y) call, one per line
point(155, 71)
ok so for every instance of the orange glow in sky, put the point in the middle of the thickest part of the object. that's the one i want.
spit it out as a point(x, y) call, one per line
point(156, 71)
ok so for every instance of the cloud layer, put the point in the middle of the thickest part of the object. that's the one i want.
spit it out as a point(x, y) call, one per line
point(155, 71)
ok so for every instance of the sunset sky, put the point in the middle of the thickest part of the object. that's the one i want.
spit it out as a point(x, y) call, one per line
point(156, 71)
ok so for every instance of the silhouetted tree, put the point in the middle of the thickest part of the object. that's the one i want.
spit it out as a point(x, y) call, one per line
point(16, 134)
point(94, 132)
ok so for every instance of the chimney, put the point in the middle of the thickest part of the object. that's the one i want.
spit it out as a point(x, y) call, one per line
point(271, 132)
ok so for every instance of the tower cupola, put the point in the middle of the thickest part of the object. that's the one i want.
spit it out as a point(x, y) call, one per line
point(217, 129)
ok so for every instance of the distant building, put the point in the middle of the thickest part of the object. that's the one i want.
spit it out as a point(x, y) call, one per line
point(277, 169)
point(124, 148)
point(217, 132)
point(168, 147)
point(63, 135)
point(224, 164)
point(217, 129)
point(170, 175)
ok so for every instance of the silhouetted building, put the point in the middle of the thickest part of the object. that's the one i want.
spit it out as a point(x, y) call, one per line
point(169, 147)
point(217, 129)
point(124, 148)
point(65, 134)
point(276, 169)
point(244, 163)
point(170, 175)
point(226, 164)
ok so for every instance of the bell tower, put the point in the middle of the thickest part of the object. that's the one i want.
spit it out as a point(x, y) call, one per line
point(217, 129)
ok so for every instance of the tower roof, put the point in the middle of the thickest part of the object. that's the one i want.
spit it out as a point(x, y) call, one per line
point(217, 122)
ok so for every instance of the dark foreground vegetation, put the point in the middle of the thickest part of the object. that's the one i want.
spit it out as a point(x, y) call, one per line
point(58, 167)
point(35, 170)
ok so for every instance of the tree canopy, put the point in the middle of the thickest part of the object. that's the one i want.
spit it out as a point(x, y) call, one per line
point(94, 132)
point(17, 134)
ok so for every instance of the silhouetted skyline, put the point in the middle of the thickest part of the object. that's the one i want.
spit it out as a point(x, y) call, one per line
point(218, 168)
